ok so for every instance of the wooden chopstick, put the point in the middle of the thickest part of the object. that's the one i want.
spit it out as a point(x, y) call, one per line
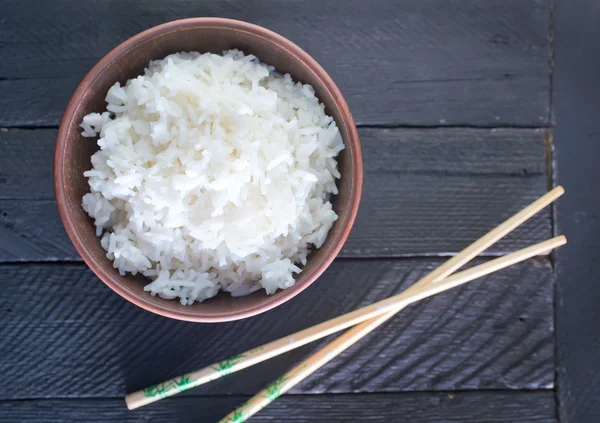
point(280, 346)
point(323, 356)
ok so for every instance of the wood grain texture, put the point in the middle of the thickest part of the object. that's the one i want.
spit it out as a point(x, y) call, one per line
point(65, 334)
point(486, 66)
point(577, 141)
point(426, 192)
point(464, 407)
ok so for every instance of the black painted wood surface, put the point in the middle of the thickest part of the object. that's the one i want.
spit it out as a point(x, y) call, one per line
point(577, 106)
point(495, 333)
point(452, 99)
point(426, 192)
point(415, 62)
point(464, 407)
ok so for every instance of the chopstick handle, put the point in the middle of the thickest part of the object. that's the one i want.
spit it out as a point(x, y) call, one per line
point(336, 347)
point(294, 376)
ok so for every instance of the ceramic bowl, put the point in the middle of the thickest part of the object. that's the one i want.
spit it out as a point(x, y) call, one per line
point(128, 60)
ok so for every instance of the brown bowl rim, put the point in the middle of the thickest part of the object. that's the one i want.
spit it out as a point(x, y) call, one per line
point(174, 26)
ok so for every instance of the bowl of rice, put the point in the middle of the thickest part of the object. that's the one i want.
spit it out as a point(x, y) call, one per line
point(208, 170)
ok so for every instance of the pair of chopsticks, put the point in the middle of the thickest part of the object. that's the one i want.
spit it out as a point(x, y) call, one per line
point(364, 321)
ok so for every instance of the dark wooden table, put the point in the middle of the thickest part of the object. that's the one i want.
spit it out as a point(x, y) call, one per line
point(454, 102)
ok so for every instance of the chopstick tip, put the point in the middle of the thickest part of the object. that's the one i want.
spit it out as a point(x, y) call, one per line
point(130, 405)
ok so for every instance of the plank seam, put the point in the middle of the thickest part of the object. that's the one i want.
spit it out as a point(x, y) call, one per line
point(551, 56)
point(303, 394)
point(423, 257)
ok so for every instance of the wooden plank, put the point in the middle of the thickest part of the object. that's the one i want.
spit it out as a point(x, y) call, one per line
point(465, 407)
point(398, 63)
point(577, 140)
point(426, 192)
point(65, 334)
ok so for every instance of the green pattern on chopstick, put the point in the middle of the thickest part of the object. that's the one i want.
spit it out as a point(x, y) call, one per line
point(271, 393)
point(274, 390)
point(256, 350)
point(164, 389)
point(225, 367)
point(238, 415)
point(183, 382)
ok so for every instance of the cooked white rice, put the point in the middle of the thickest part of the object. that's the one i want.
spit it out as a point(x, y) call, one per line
point(214, 172)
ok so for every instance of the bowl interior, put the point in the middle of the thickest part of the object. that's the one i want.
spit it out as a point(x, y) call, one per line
point(128, 61)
